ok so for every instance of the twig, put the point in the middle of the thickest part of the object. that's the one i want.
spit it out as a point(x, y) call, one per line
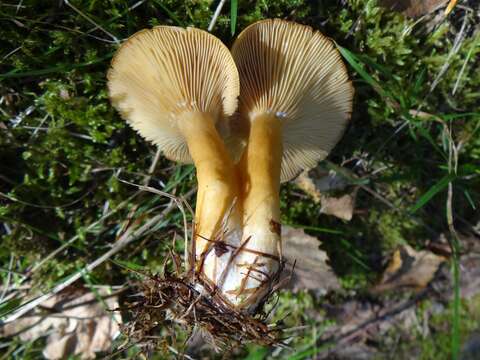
point(11, 52)
point(71, 133)
point(134, 6)
point(137, 4)
point(11, 198)
point(91, 21)
point(180, 201)
point(17, 120)
point(9, 278)
point(454, 243)
point(450, 7)
point(216, 14)
point(455, 48)
point(147, 178)
point(38, 127)
point(183, 355)
point(462, 70)
point(19, 5)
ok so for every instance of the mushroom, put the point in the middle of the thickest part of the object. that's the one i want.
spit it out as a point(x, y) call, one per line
point(295, 101)
point(176, 87)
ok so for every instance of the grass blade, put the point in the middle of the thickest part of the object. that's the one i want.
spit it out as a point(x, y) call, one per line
point(170, 14)
point(54, 69)
point(469, 198)
point(456, 302)
point(355, 62)
point(233, 16)
point(317, 229)
point(435, 189)
point(8, 306)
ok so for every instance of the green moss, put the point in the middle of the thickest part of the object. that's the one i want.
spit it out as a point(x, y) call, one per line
point(393, 230)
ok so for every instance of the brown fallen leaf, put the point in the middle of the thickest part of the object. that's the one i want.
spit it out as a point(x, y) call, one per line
point(311, 269)
point(360, 321)
point(305, 182)
point(414, 8)
point(316, 182)
point(341, 207)
point(319, 180)
point(360, 324)
point(75, 323)
point(409, 268)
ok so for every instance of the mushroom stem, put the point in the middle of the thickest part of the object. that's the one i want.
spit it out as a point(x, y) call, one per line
point(217, 184)
point(260, 166)
point(262, 163)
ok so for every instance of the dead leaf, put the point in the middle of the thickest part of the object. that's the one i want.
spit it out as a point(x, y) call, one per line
point(316, 182)
point(319, 180)
point(341, 207)
point(75, 321)
point(360, 322)
point(414, 8)
point(311, 269)
point(469, 280)
point(304, 182)
point(409, 268)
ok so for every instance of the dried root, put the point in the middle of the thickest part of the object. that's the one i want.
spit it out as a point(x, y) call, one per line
point(189, 300)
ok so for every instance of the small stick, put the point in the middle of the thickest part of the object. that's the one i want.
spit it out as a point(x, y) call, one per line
point(114, 38)
point(215, 15)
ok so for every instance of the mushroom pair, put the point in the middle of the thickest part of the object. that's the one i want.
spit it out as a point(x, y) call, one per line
point(179, 88)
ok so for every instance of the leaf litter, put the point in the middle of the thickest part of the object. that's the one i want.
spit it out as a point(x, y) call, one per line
point(311, 270)
point(317, 183)
point(74, 322)
point(409, 268)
